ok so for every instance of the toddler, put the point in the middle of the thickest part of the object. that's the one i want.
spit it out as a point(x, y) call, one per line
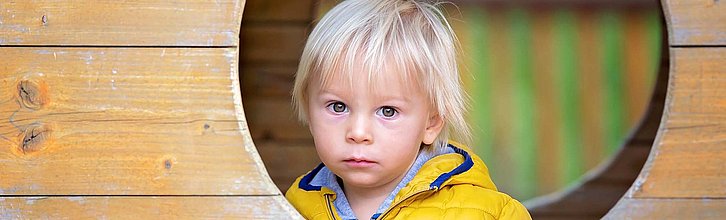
point(379, 88)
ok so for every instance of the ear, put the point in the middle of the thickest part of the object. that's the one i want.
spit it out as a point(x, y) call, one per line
point(433, 127)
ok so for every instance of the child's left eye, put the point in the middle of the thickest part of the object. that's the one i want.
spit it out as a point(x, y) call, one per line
point(387, 111)
point(337, 107)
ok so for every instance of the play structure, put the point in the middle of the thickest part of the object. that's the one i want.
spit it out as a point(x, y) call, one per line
point(134, 110)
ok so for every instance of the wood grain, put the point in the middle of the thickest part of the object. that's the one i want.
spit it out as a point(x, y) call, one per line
point(268, 11)
point(696, 22)
point(273, 43)
point(125, 121)
point(689, 151)
point(664, 208)
point(274, 119)
point(137, 207)
point(268, 81)
point(137, 23)
point(273, 34)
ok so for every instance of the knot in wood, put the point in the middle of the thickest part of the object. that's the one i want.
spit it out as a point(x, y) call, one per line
point(34, 138)
point(167, 164)
point(31, 95)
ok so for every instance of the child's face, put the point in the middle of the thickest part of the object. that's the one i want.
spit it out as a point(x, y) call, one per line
point(370, 138)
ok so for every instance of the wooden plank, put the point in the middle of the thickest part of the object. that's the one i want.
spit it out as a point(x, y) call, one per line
point(267, 81)
point(695, 22)
point(125, 121)
point(688, 161)
point(143, 22)
point(152, 207)
point(273, 44)
point(591, 99)
point(548, 137)
point(501, 102)
point(274, 119)
point(278, 11)
point(668, 209)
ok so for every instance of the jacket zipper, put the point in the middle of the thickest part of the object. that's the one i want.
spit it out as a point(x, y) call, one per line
point(399, 202)
point(330, 208)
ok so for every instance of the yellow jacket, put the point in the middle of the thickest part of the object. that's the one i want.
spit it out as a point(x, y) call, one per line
point(448, 186)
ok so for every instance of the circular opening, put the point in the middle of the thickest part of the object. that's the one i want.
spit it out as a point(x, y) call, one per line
point(555, 86)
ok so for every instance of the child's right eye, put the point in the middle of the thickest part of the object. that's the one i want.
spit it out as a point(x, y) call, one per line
point(337, 107)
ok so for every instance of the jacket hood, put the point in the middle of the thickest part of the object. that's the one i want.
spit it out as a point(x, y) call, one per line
point(460, 167)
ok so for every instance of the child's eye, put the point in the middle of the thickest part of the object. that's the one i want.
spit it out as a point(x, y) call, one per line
point(387, 111)
point(337, 107)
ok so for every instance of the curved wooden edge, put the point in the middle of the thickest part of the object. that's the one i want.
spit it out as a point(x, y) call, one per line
point(601, 188)
point(684, 176)
point(279, 200)
point(285, 208)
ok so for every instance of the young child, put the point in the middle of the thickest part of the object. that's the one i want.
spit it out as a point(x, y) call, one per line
point(378, 86)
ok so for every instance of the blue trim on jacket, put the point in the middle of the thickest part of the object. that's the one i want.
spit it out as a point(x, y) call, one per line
point(305, 181)
point(463, 167)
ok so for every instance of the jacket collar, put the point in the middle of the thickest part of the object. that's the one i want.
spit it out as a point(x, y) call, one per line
point(463, 166)
point(305, 181)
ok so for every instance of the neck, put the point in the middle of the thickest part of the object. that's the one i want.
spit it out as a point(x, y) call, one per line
point(365, 201)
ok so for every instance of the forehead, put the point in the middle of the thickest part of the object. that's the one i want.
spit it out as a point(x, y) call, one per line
point(383, 77)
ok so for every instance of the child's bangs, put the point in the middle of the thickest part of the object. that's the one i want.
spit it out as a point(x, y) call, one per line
point(379, 59)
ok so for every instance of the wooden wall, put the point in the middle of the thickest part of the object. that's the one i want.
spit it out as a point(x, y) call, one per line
point(684, 176)
point(273, 36)
point(126, 109)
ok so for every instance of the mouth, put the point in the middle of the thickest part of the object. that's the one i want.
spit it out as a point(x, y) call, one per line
point(359, 162)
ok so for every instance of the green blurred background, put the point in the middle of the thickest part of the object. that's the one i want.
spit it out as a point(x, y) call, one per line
point(555, 90)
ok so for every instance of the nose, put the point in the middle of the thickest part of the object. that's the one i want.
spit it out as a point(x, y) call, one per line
point(359, 130)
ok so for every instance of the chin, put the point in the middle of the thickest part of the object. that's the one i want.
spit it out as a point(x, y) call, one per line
point(358, 181)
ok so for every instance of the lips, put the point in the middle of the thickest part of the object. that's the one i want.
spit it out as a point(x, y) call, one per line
point(359, 162)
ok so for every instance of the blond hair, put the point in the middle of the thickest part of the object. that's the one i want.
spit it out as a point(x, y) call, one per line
point(414, 35)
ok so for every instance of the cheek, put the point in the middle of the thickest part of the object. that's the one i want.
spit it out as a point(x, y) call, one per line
point(324, 131)
point(404, 128)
